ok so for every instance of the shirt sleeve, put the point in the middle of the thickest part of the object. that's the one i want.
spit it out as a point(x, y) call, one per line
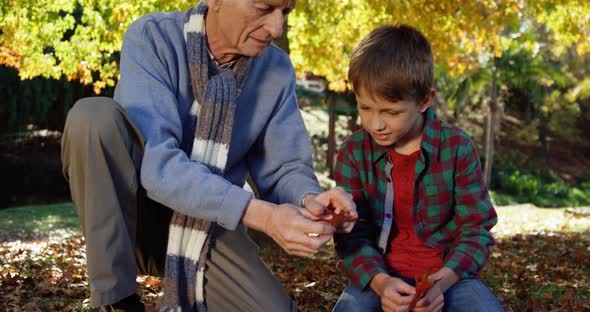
point(357, 251)
point(280, 161)
point(169, 176)
point(473, 219)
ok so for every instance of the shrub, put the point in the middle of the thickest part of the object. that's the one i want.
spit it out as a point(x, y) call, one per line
point(519, 186)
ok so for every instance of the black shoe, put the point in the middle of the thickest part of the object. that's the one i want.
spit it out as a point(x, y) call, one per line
point(129, 304)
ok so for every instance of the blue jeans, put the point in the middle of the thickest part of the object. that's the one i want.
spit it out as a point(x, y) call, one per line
point(469, 295)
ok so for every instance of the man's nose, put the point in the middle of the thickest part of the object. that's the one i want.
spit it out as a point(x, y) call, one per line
point(276, 23)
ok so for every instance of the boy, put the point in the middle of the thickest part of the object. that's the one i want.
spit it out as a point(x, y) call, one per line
point(417, 184)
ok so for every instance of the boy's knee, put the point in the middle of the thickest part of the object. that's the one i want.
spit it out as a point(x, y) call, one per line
point(354, 299)
point(471, 295)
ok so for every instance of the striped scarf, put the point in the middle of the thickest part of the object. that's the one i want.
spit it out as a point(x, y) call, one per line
point(215, 91)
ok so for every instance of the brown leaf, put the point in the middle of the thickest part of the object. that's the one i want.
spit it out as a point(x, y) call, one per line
point(10, 280)
point(44, 287)
point(536, 305)
point(58, 306)
point(31, 307)
point(29, 281)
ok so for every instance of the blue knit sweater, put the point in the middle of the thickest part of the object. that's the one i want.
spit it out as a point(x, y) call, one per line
point(269, 138)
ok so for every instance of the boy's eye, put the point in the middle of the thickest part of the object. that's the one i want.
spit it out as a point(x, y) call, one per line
point(392, 113)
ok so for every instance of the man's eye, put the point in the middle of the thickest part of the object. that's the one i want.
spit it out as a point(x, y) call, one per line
point(392, 113)
point(264, 8)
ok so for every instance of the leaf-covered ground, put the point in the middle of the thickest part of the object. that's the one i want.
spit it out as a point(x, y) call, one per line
point(541, 263)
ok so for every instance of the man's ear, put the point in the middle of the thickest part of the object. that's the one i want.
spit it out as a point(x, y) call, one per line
point(428, 101)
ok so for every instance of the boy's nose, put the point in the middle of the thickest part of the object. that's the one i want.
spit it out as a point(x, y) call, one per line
point(377, 124)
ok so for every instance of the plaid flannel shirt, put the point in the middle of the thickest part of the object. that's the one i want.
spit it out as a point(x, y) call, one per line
point(451, 211)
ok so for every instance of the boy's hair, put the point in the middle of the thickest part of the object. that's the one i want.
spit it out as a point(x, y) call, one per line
point(393, 62)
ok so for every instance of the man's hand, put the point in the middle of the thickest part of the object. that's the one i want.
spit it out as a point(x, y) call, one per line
point(337, 198)
point(434, 298)
point(289, 226)
point(395, 294)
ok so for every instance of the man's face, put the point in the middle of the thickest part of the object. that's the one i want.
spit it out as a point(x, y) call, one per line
point(390, 123)
point(247, 27)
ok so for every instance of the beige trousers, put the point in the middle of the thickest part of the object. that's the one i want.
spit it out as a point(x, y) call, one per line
point(126, 232)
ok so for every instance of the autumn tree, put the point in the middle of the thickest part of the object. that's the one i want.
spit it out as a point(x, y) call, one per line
point(79, 39)
point(469, 38)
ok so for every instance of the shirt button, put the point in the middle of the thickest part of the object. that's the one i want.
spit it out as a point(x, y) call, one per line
point(380, 249)
point(388, 180)
point(388, 215)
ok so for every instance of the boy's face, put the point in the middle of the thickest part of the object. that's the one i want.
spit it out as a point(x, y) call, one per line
point(391, 123)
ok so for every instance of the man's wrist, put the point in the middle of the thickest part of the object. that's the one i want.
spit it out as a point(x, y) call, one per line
point(257, 214)
point(307, 197)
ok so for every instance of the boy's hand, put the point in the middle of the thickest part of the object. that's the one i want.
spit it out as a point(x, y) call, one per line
point(337, 198)
point(395, 294)
point(444, 278)
point(433, 301)
point(434, 298)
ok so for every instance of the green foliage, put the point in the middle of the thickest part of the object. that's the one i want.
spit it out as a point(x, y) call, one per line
point(580, 91)
point(519, 186)
point(40, 102)
point(563, 125)
point(568, 22)
point(78, 39)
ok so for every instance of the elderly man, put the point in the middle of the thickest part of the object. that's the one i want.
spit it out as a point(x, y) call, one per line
point(156, 174)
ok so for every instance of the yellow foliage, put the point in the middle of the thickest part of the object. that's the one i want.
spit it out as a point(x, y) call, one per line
point(79, 38)
point(462, 33)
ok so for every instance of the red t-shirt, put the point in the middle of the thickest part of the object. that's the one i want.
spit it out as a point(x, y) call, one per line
point(407, 256)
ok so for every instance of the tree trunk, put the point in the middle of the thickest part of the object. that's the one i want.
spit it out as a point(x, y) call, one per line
point(331, 137)
point(353, 125)
point(491, 121)
point(584, 119)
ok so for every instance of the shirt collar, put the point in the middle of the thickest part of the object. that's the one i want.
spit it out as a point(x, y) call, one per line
point(229, 64)
point(430, 137)
point(431, 134)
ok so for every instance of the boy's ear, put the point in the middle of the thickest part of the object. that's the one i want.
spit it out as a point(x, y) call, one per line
point(428, 101)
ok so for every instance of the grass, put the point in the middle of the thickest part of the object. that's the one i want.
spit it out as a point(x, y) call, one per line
point(514, 219)
point(38, 219)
